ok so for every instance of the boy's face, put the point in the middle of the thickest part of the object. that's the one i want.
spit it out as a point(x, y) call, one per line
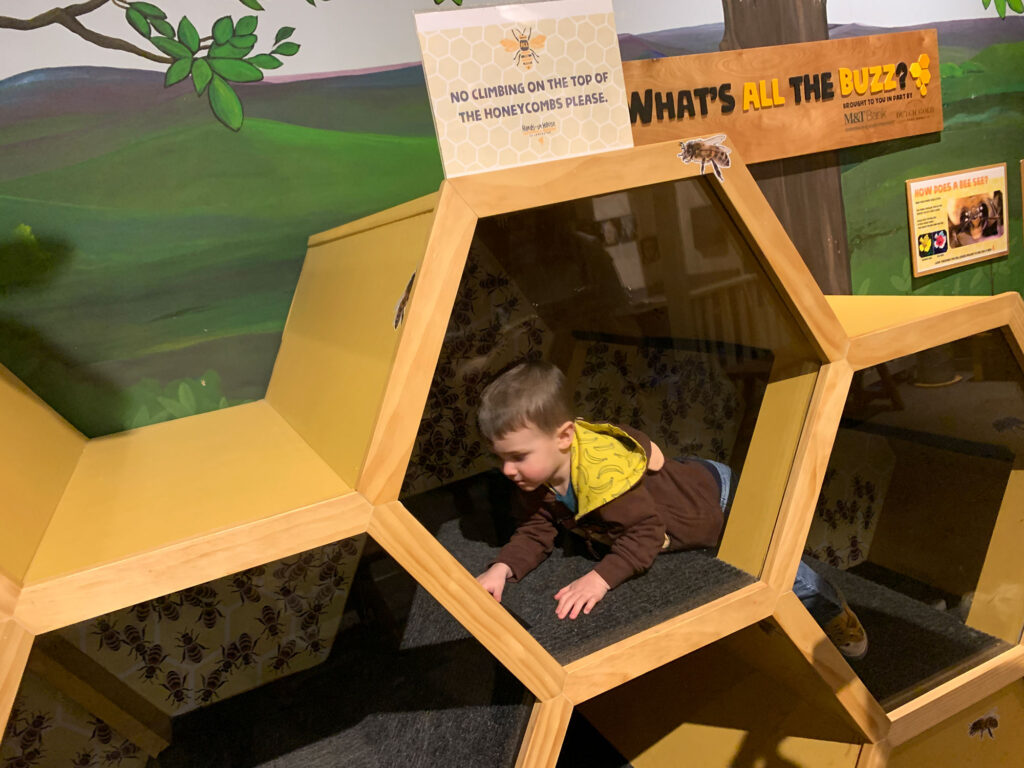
point(531, 457)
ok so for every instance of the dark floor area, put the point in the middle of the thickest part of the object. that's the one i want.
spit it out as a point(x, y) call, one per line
point(912, 647)
point(404, 685)
point(586, 747)
point(470, 519)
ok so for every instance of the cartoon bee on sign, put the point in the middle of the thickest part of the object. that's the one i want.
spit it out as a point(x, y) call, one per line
point(524, 45)
point(709, 150)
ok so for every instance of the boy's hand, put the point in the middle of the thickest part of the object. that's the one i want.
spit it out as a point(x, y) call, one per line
point(494, 578)
point(582, 594)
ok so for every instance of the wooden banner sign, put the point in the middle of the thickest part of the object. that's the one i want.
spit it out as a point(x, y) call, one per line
point(788, 100)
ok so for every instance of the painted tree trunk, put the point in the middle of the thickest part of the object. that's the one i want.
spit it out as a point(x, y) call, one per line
point(804, 191)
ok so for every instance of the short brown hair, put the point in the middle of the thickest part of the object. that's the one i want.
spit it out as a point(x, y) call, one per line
point(531, 393)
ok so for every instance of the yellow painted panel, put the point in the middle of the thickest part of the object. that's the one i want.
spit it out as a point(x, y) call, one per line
point(998, 605)
point(38, 452)
point(424, 204)
point(865, 314)
point(766, 470)
point(340, 339)
point(950, 744)
point(138, 490)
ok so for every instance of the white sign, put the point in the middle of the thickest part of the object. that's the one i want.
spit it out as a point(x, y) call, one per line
point(519, 84)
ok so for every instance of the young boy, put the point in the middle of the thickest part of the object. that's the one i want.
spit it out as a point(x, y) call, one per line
point(612, 485)
point(609, 484)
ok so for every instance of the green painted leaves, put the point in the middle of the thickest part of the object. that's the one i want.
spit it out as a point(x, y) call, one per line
point(201, 75)
point(225, 103)
point(236, 71)
point(178, 71)
point(214, 62)
point(188, 35)
point(1017, 6)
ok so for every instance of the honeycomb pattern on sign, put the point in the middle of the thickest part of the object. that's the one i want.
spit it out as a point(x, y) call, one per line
point(463, 60)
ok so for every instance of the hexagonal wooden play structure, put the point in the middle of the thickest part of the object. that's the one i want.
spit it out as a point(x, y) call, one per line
point(631, 266)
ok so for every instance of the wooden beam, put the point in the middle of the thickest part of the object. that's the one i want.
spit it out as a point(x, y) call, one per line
point(809, 465)
point(9, 592)
point(420, 205)
point(866, 713)
point(427, 315)
point(79, 596)
point(15, 643)
point(954, 696)
point(883, 329)
point(100, 693)
point(545, 733)
point(627, 659)
point(434, 568)
point(874, 755)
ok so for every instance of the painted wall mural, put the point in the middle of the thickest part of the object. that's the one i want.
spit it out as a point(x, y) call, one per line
point(148, 252)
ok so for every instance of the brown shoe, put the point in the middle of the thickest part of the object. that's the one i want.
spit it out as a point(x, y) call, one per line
point(847, 634)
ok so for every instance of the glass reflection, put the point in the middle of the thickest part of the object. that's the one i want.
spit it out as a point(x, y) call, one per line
point(925, 466)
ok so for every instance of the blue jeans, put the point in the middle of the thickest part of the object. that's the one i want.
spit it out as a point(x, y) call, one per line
point(818, 596)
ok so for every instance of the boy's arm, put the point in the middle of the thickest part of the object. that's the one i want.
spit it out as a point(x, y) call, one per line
point(638, 535)
point(530, 544)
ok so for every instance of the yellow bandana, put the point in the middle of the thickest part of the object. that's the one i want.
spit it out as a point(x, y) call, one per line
point(605, 463)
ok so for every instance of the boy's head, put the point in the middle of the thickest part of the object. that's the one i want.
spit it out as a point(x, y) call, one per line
point(525, 415)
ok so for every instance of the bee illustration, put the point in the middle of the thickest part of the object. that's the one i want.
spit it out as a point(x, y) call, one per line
point(311, 618)
point(141, 611)
point(199, 595)
point(246, 650)
point(124, 751)
point(174, 684)
point(31, 736)
point(135, 638)
point(347, 547)
point(209, 613)
point(188, 641)
point(403, 302)
point(315, 645)
point(229, 656)
point(292, 599)
point(709, 150)
point(523, 44)
point(328, 570)
point(107, 633)
point(855, 552)
point(167, 607)
point(25, 759)
point(285, 653)
point(243, 586)
point(101, 731)
point(84, 759)
point(987, 723)
point(271, 621)
point(211, 683)
point(152, 661)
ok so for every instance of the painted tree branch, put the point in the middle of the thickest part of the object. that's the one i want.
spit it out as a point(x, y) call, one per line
point(67, 17)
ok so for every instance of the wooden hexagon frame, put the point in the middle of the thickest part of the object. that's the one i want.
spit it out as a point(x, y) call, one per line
point(323, 455)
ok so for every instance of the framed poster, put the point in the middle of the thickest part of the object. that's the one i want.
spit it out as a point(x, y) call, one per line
point(957, 218)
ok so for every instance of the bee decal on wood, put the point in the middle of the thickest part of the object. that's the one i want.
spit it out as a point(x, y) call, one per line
point(108, 634)
point(31, 735)
point(84, 759)
point(285, 653)
point(525, 46)
point(987, 723)
point(101, 731)
point(124, 751)
point(211, 683)
point(709, 150)
point(174, 684)
point(271, 621)
point(152, 662)
point(188, 641)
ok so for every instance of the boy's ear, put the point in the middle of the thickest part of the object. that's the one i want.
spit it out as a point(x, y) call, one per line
point(563, 435)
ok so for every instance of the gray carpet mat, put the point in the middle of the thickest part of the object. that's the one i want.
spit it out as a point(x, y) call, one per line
point(912, 647)
point(439, 700)
point(466, 518)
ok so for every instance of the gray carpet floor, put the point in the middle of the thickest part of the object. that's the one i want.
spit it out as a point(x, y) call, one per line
point(912, 647)
point(436, 699)
point(470, 519)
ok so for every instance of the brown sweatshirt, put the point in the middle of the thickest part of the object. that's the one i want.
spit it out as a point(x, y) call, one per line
point(676, 507)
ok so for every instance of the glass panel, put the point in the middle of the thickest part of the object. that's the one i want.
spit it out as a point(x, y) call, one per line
point(928, 453)
point(332, 655)
point(663, 319)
